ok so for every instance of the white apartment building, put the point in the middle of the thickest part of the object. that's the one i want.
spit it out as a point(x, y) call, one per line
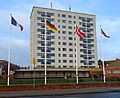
point(61, 45)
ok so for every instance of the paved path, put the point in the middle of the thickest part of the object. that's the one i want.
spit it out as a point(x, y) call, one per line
point(17, 94)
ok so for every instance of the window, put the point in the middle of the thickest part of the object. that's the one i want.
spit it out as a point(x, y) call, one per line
point(58, 20)
point(89, 24)
point(80, 23)
point(63, 32)
point(59, 61)
point(58, 15)
point(49, 31)
point(48, 14)
point(84, 19)
point(49, 49)
point(42, 55)
point(38, 12)
point(42, 13)
point(74, 44)
point(70, 49)
point(42, 43)
point(58, 37)
point(49, 61)
point(41, 48)
point(70, 55)
point(90, 40)
point(90, 46)
point(70, 61)
point(84, 24)
point(64, 37)
point(91, 62)
point(64, 27)
point(69, 16)
point(89, 52)
point(70, 22)
point(70, 44)
point(74, 22)
point(64, 61)
point(89, 29)
point(83, 50)
point(50, 37)
point(59, 55)
point(63, 16)
point(64, 49)
point(64, 21)
point(42, 37)
point(59, 32)
point(64, 55)
point(116, 71)
point(41, 24)
point(70, 38)
point(70, 33)
point(38, 18)
point(90, 35)
point(41, 60)
point(69, 27)
point(64, 43)
point(59, 43)
point(89, 19)
point(58, 26)
point(49, 43)
point(59, 49)
point(74, 17)
point(49, 55)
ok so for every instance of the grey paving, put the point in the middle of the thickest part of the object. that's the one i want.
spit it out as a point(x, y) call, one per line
point(16, 94)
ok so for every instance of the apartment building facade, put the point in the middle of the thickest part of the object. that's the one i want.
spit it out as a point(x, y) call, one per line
point(61, 46)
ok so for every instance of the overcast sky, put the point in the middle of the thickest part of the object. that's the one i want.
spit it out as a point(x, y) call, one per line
point(106, 11)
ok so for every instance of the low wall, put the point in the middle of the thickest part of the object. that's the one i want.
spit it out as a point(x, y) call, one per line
point(55, 87)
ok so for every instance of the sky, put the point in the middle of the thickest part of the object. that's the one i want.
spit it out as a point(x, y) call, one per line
point(107, 15)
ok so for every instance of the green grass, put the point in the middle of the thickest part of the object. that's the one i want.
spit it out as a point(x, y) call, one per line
point(17, 82)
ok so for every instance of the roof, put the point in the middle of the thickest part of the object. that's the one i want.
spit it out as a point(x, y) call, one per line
point(51, 69)
point(59, 10)
point(115, 64)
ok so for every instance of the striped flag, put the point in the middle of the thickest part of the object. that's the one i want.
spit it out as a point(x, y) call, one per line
point(79, 33)
point(51, 26)
point(15, 23)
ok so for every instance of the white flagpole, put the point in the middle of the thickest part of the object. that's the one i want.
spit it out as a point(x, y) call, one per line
point(76, 62)
point(9, 52)
point(103, 63)
point(45, 51)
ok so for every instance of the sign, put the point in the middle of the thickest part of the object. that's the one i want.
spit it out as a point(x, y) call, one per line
point(34, 61)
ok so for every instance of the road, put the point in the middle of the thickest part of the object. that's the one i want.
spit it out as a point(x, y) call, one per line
point(32, 94)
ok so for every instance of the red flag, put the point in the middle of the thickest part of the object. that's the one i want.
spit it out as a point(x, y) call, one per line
point(79, 33)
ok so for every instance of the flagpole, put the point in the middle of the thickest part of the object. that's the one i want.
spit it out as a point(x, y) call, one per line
point(103, 63)
point(9, 53)
point(45, 51)
point(76, 62)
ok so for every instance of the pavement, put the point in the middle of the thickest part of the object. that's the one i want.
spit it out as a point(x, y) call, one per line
point(16, 94)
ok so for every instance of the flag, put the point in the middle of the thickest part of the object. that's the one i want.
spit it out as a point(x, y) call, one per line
point(51, 26)
point(15, 23)
point(102, 32)
point(79, 33)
